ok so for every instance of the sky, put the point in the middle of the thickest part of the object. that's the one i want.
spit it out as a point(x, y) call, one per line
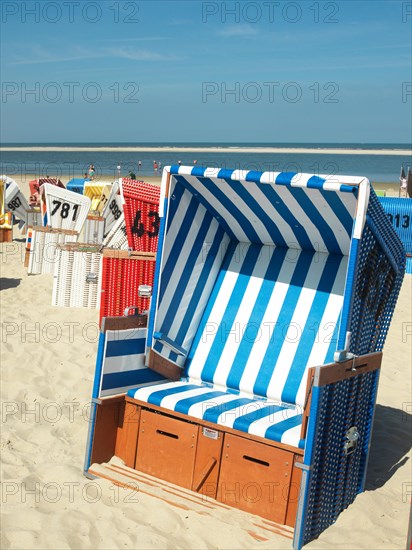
point(206, 71)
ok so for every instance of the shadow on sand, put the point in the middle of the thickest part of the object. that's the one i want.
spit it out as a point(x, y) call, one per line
point(9, 283)
point(391, 440)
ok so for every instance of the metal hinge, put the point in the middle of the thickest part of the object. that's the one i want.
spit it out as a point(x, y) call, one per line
point(352, 436)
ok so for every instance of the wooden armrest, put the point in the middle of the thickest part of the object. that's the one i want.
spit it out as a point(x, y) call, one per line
point(335, 372)
point(124, 323)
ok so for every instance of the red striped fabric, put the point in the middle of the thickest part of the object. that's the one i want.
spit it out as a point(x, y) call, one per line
point(141, 212)
point(121, 278)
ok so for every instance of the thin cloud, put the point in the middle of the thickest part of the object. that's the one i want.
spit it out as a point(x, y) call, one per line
point(138, 55)
point(135, 39)
point(40, 56)
point(238, 30)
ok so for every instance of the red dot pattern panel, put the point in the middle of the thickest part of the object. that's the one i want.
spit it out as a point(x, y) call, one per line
point(121, 278)
point(141, 212)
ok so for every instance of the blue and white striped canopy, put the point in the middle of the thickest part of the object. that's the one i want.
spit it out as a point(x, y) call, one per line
point(209, 209)
point(285, 209)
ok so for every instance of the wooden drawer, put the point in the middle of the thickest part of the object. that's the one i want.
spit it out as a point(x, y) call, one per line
point(255, 477)
point(166, 448)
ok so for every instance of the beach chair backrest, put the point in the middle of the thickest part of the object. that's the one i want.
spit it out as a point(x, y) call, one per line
point(141, 213)
point(63, 209)
point(399, 212)
point(241, 239)
point(273, 313)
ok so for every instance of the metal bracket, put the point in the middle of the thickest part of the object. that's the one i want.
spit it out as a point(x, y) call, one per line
point(352, 436)
point(144, 291)
point(302, 466)
point(130, 308)
point(91, 278)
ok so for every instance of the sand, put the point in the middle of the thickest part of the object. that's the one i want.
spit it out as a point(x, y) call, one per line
point(142, 149)
point(47, 362)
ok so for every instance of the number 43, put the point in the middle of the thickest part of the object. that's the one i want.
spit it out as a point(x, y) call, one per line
point(138, 227)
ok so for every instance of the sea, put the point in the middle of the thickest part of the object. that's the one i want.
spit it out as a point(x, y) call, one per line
point(378, 168)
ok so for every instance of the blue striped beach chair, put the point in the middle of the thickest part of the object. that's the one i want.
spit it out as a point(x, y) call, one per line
point(272, 298)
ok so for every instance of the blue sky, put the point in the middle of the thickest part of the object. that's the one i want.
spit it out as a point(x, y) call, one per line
point(193, 71)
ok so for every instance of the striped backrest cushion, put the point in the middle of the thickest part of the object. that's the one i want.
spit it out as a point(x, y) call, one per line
point(121, 362)
point(272, 314)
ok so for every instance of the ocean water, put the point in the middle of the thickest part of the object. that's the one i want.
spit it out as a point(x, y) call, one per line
point(67, 164)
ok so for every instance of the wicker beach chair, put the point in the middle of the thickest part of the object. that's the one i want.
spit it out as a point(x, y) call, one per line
point(6, 226)
point(399, 212)
point(272, 298)
point(35, 189)
point(76, 185)
point(14, 201)
point(97, 193)
point(141, 213)
point(77, 276)
point(42, 248)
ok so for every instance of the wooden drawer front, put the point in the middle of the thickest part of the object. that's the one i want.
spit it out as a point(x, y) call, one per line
point(255, 477)
point(166, 448)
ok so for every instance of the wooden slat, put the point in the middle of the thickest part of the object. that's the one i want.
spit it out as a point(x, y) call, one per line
point(128, 254)
point(47, 229)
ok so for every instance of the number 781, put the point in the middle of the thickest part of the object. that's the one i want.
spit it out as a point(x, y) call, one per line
point(65, 208)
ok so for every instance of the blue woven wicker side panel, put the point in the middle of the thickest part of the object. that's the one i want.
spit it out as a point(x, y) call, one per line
point(337, 478)
point(380, 272)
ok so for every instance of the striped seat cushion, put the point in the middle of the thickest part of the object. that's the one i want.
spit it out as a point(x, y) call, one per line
point(257, 416)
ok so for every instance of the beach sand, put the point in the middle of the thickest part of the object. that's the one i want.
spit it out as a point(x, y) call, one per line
point(47, 362)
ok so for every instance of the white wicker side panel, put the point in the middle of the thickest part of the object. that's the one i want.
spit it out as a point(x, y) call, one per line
point(36, 253)
point(92, 290)
point(93, 231)
point(67, 277)
point(78, 279)
point(57, 279)
point(50, 253)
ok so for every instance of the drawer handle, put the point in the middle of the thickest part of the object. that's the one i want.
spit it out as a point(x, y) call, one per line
point(252, 459)
point(168, 434)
